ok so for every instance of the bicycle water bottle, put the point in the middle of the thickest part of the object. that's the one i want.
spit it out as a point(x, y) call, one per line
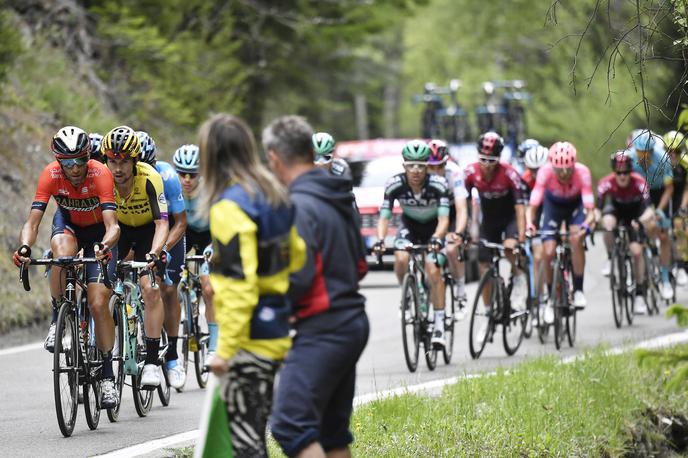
point(131, 317)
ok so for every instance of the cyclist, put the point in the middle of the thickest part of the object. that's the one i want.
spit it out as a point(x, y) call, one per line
point(85, 219)
point(142, 215)
point(648, 160)
point(186, 163)
point(623, 197)
point(95, 146)
point(175, 248)
point(564, 189)
point(323, 145)
point(424, 200)
point(518, 160)
point(500, 192)
point(439, 164)
point(675, 145)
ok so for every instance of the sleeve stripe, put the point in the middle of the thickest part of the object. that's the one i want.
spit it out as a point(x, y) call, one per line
point(38, 205)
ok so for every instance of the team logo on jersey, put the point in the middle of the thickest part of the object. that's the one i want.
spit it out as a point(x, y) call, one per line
point(84, 190)
point(161, 199)
point(63, 191)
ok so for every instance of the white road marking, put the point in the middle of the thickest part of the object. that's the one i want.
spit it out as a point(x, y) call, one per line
point(170, 441)
point(21, 349)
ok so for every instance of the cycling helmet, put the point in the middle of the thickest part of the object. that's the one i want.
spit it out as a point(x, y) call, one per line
point(96, 140)
point(490, 144)
point(70, 142)
point(121, 143)
point(674, 140)
point(536, 157)
point(562, 155)
point(416, 150)
point(525, 146)
point(323, 144)
point(147, 147)
point(186, 159)
point(439, 152)
point(620, 161)
point(644, 141)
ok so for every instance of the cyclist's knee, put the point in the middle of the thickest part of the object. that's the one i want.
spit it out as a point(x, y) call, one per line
point(636, 249)
point(63, 245)
point(608, 222)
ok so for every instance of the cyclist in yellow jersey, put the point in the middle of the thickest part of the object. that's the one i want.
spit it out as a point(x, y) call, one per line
point(142, 215)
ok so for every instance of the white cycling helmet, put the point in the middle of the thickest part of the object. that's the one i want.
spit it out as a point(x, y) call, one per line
point(185, 159)
point(536, 157)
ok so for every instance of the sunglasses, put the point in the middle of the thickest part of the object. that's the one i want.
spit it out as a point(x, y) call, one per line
point(563, 170)
point(413, 165)
point(325, 159)
point(488, 160)
point(74, 162)
point(622, 172)
point(189, 175)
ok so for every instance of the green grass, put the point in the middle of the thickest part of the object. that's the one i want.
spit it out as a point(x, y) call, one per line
point(599, 406)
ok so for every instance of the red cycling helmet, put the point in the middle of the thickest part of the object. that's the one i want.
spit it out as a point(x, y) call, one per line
point(621, 161)
point(490, 144)
point(562, 155)
point(439, 152)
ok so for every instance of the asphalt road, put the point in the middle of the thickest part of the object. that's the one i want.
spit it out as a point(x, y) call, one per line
point(28, 426)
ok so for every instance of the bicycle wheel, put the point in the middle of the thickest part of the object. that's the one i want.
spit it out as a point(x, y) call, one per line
point(629, 289)
point(651, 283)
point(92, 403)
point(118, 353)
point(559, 304)
point(410, 321)
point(184, 332)
point(570, 311)
point(542, 327)
point(530, 303)
point(449, 319)
point(616, 281)
point(201, 339)
point(482, 321)
point(66, 369)
point(143, 399)
point(513, 323)
point(164, 390)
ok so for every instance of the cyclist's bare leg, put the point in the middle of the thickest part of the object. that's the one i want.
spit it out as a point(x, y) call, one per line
point(434, 275)
point(155, 313)
point(61, 245)
point(577, 252)
point(548, 251)
point(636, 250)
point(173, 310)
point(664, 248)
point(455, 266)
point(401, 261)
point(207, 292)
point(487, 290)
point(510, 244)
point(98, 299)
point(608, 224)
point(536, 250)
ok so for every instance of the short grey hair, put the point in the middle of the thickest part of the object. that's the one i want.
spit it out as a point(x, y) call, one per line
point(290, 137)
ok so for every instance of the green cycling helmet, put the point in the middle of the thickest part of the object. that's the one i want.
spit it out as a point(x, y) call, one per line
point(323, 144)
point(416, 150)
point(674, 140)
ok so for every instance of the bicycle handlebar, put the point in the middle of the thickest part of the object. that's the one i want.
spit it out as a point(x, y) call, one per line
point(138, 266)
point(62, 261)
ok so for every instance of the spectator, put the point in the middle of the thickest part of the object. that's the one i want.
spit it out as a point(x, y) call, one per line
point(314, 397)
point(255, 247)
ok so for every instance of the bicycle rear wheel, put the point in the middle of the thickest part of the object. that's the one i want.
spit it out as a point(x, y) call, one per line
point(202, 339)
point(651, 282)
point(66, 369)
point(629, 289)
point(118, 353)
point(410, 321)
point(542, 327)
point(449, 320)
point(184, 332)
point(560, 305)
point(482, 321)
point(571, 312)
point(143, 399)
point(616, 282)
point(164, 389)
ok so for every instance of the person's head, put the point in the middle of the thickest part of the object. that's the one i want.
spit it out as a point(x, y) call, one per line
point(632, 136)
point(96, 140)
point(439, 155)
point(416, 154)
point(536, 157)
point(562, 156)
point(644, 144)
point(186, 161)
point(288, 143)
point(490, 146)
point(148, 150)
point(323, 147)
point(525, 146)
point(72, 147)
point(121, 148)
point(675, 144)
point(622, 167)
point(229, 156)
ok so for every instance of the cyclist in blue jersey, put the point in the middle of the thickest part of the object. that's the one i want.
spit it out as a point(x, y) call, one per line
point(186, 163)
point(175, 247)
point(651, 162)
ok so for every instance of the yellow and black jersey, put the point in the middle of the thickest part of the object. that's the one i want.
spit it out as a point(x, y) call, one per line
point(146, 203)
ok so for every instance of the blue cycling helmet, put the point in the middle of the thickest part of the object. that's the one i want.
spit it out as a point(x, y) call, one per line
point(186, 159)
point(525, 146)
point(148, 149)
point(96, 140)
point(644, 141)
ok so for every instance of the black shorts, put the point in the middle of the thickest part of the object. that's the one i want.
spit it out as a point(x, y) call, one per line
point(200, 240)
point(414, 232)
point(496, 233)
point(85, 237)
point(624, 216)
point(139, 239)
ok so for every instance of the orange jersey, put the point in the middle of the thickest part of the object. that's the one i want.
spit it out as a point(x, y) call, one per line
point(84, 204)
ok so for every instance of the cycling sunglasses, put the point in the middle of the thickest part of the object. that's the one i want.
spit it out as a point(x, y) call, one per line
point(324, 159)
point(190, 175)
point(415, 165)
point(72, 162)
point(488, 159)
point(622, 172)
point(563, 170)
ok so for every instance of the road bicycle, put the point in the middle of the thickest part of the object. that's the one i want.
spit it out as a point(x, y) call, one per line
point(130, 342)
point(497, 310)
point(194, 334)
point(417, 315)
point(77, 361)
point(652, 277)
point(622, 277)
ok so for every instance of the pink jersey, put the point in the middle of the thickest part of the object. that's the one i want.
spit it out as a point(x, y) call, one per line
point(548, 185)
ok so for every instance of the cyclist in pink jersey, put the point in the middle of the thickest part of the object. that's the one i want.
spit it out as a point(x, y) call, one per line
point(564, 189)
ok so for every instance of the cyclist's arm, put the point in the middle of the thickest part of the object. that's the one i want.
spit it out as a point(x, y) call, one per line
point(105, 186)
point(112, 229)
point(177, 230)
point(666, 197)
point(684, 199)
point(175, 206)
point(442, 227)
point(385, 213)
point(162, 229)
point(382, 227)
point(461, 215)
point(521, 221)
point(29, 231)
point(156, 197)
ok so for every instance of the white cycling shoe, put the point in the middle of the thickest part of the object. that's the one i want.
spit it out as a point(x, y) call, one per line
point(176, 374)
point(639, 305)
point(579, 300)
point(519, 292)
point(681, 277)
point(607, 268)
point(548, 313)
point(49, 343)
point(437, 337)
point(150, 377)
point(666, 291)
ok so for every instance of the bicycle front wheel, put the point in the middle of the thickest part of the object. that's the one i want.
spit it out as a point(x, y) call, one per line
point(629, 289)
point(410, 321)
point(514, 324)
point(121, 333)
point(481, 327)
point(560, 304)
point(164, 390)
point(184, 332)
point(143, 399)
point(92, 403)
point(616, 281)
point(66, 369)
point(449, 320)
point(202, 338)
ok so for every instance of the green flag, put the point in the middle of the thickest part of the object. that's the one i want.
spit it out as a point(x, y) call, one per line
point(214, 440)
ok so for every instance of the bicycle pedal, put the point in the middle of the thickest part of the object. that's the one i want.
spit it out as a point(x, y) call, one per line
point(149, 387)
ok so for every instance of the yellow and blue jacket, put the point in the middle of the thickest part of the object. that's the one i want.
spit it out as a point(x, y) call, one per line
point(256, 246)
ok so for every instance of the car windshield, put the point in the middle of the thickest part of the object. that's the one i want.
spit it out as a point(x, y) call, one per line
point(375, 173)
